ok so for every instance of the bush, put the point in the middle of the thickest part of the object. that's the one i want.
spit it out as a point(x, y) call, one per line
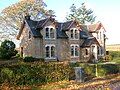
point(115, 54)
point(7, 49)
point(31, 59)
point(34, 73)
point(106, 69)
point(44, 72)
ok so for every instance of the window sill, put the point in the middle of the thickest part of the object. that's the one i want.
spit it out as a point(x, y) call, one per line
point(86, 56)
point(74, 56)
point(50, 38)
point(50, 58)
point(74, 39)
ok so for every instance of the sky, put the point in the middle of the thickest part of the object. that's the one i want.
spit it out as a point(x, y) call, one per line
point(107, 11)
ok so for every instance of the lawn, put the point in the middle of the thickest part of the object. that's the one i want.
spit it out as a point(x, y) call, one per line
point(116, 60)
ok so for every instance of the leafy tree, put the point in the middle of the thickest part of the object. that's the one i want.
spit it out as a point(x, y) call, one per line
point(12, 16)
point(81, 14)
point(7, 49)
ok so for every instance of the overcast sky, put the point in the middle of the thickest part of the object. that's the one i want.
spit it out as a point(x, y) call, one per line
point(107, 11)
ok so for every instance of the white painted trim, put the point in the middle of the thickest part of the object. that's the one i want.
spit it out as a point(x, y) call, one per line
point(74, 45)
point(50, 45)
point(74, 34)
point(49, 32)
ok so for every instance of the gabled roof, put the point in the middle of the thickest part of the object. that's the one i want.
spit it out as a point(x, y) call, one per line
point(60, 32)
point(34, 26)
point(95, 27)
point(89, 41)
point(42, 23)
point(83, 35)
point(67, 25)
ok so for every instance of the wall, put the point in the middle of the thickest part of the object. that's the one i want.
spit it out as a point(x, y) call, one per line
point(63, 49)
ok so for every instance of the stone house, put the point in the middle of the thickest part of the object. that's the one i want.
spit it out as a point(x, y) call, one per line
point(55, 41)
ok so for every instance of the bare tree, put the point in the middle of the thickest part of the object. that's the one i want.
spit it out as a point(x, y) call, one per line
point(12, 16)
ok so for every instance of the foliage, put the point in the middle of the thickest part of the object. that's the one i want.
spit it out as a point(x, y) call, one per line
point(81, 14)
point(106, 69)
point(32, 59)
point(35, 73)
point(7, 49)
point(12, 16)
point(114, 54)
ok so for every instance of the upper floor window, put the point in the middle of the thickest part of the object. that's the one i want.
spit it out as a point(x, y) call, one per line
point(49, 33)
point(74, 50)
point(74, 33)
point(50, 51)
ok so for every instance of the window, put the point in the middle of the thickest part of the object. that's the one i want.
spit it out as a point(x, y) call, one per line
point(98, 50)
point(47, 32)
point(74, 50)
point(50, 51)
point(86, 51)
point(50, 33)
point(74, 33)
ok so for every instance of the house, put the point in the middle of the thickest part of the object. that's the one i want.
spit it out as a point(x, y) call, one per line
point(55, 41)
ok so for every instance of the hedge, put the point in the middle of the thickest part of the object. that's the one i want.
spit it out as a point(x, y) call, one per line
point(34, 73)
point(44, 72)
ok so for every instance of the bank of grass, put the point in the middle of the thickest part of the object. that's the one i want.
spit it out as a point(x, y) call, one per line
point(116, 60)
point(114, 56)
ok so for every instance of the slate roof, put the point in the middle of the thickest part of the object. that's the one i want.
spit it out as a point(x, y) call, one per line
point(32, 25)
point(60, 32)
point(35, 27)
point(66, 25)
point(89, 41)
point(83, 35)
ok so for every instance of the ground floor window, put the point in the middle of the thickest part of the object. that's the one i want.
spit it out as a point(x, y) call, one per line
point(50, 51)
point(86, 51)
point(74, 50)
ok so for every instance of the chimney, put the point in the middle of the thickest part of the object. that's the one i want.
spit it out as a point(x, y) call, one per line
point(27, 16)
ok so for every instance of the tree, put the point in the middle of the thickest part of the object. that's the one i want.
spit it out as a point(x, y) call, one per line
point(81, 14)
point(7, 49)
point(12, 16)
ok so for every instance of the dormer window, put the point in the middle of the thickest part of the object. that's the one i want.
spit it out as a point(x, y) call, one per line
point(74, 33)
point(49, 33)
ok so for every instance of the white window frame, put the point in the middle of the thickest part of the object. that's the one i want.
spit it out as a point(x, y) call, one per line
point(74, 45)
point(74, 29)
point(50, 45)
point(49, 28)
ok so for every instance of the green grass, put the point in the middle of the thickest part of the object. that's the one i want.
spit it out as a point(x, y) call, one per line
point(116, 60)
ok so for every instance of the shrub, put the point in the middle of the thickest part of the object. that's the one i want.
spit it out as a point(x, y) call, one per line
point(106, 69)
point(115, 54)
point(31, 59)
point(7, 49)
point(44, 72)
point(6, 75)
